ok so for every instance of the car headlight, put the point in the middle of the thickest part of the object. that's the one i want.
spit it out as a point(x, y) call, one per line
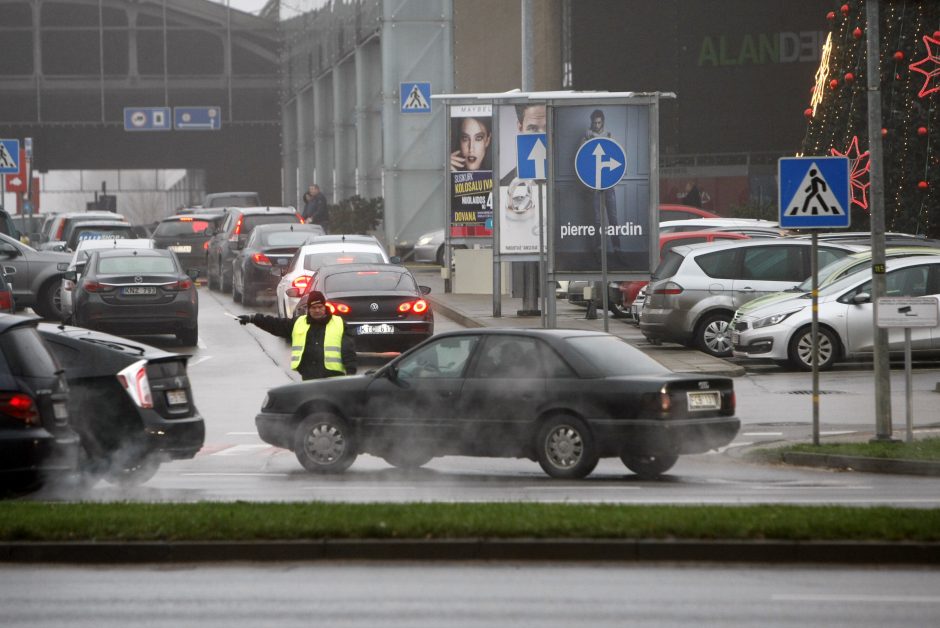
point(774, 319)
point(424, 240)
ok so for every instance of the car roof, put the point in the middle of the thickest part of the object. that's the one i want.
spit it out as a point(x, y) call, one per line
point(687, 249)
point(676, 207)
point(718, 235)
point(117, 243)
point(101, 223)
point(129, 252)
point(343, 237)
point(252, 211)
point(287, 226)
point(95, 214)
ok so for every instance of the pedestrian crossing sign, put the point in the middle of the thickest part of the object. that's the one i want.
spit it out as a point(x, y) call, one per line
point(415, 97)
point(814, 192)
point(9, 156)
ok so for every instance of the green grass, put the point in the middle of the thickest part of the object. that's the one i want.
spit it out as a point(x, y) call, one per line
point(37, 521)
point(924, 449)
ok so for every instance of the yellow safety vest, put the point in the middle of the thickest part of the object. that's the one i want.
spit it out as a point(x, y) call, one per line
point(332, 343)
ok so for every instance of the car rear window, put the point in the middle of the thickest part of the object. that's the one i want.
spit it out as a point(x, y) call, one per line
point(314, 261)
point(251, 221)
point(613, 357)
point(116, 232)
point(668, 265)
point(241, 200)
point(176, 228)
point(284, 238)
point(369, 280)
point(26, 353)
point(135, 264)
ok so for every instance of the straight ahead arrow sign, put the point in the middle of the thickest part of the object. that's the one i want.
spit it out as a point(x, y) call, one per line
point(538, 156)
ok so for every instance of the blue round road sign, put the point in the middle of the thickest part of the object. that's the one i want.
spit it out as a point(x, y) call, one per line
point(600, 163)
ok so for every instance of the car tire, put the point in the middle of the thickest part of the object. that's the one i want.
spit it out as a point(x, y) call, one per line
point(225, 283)
point(189, 337)
point(324, 443)
point(801, 347)
point(409, 460)
point(617, 309)
point(565, 448)
point(133, 473)
point(211, 280)
point(439, 258)
point(237, 294)
point(712, 335)
point(649, 467)
point(49, 300)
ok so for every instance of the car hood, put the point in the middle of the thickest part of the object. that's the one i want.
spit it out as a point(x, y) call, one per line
point(768, 300)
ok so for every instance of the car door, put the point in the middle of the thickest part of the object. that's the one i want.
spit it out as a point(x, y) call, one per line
point(767, 269)
point(16, 266)
point(418, 399)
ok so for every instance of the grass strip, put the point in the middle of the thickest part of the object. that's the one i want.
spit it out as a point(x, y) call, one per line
point(214, 521)
point(924, 449)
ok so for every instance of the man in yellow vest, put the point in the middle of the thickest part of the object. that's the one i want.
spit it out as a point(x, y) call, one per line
point(320, 346)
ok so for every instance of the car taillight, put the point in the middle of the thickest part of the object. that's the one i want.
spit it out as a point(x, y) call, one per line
point(301, 282)
point(58, 232)
point(261, 259)
point(238, 228)
point(337, 308)
point(185, 284)
point(6, 300)
point(135, 381)
point(299, 217)
point(670, 287)
point(19, 406)
point(205, 245)
point(417, 307)
point(94, 286)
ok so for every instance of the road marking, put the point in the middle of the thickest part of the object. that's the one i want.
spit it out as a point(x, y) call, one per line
point(241, 433)
point(799, 487)
point(235, 450)
point(837, 433)
point(199, 360)
point(722, 450)
point(761, 433)
point(260, 475)
point(845, 597)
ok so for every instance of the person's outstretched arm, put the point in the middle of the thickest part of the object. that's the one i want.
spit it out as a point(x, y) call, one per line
point(275, 325)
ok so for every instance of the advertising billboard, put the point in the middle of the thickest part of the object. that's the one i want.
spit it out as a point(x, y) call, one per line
point(471, 170)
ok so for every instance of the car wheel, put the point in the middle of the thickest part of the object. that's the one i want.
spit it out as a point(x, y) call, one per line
point(649, 467)
point(49, 301)
point(439, 258)
point(409, 460)
point(236, 292)
point(189, 337)
point(324, 443)
point(712, 335)
point(212, 280)
point(133, 472)
point(249, 296)
point(225, 283)
point(617, 309)
point(801, 349)
point(565, 448)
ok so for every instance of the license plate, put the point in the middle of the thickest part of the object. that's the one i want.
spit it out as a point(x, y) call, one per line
point(384, 328)
point(136, 290)
point(710, 400)
point(59, 411)
point(180, 248)
point(176, 397)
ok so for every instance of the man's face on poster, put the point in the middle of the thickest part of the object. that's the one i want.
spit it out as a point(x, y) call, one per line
point(533, 120)
point(597, 123)
point(474, 141)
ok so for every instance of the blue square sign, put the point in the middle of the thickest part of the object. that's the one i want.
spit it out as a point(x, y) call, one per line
point(9, 157)
point(814, 192)
point(532, 155)
point(415, 97)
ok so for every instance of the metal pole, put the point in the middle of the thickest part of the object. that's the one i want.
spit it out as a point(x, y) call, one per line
point(530, 270)
point(876, 177)
point(603, 206)
point(909, 388)
point(814, 333)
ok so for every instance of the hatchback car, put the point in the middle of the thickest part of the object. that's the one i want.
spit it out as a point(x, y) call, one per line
point(270, 247)
point(781, 331)
point(131, 403)
point(134, 292)
point(563, 397)
point(696, 288)
point(37, 443)
point(382, 304)
point(188, 236)
point(324, 251)
point(238, 225)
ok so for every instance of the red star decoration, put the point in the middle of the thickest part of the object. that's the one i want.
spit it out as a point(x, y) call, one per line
point(860, 165)
point(932, 61)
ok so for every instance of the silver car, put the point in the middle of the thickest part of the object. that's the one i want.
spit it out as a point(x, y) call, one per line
point(696, 288)
point(780, 331)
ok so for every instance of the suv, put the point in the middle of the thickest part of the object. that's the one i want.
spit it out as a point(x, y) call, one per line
point(188, 235)
point(696, 288)
point(238, 225)
point(231, 199)
point(35, 276)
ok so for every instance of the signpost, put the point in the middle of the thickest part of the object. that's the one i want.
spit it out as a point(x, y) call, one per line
point(415, 97)
point(147, 119)
point(197, 118)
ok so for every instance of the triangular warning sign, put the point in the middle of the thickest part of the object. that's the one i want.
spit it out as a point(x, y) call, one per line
point(814, 197)
point(6, 159)
point(416, 100)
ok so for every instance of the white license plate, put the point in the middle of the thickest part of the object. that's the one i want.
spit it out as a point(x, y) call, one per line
point(710, 400)
point(59, 411)
point(384, 328)
point(176, 397)
point(180, 248)
point(136, 290)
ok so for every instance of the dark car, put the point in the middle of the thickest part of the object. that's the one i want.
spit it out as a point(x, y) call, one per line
point(7, 303)
point(36, 442)
point(232, 199)
point(99, 230)
point(256, 268)
point(131, 403)
point(188, 236)
point(35, 276)
point(136, 291)
point(383, 306)
point(559, 396)
point(238, 225)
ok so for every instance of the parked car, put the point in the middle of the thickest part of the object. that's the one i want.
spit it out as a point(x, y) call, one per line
point(671, 211)
point(705, 224)
point(34, 276)
point(231, 199)
point(99, 230)
point(324, 251)
point(131, 404)
point(7, 302)
point(80, 258)
point(134, 292)
point(270, 247)
point(696, 288)
point(563, 397)
point(781, 331)
point(188, 236)
point(7, 225)
point(37, 443)
point(238, 225)
point(382, 304)
point(62, 224)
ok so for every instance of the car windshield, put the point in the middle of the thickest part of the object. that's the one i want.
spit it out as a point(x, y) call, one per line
point(283, 238)
point(613, 357)
point(832, 272)
point(313, 261)
point(366, 280)
point(174, 228)
point(135, 264)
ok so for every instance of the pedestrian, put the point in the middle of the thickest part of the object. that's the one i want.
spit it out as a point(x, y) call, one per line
point(320, 346)
point(316, 210)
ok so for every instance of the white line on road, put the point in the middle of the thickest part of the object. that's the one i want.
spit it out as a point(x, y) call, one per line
point(260, 475)
point(241, 433)
point(761, 433)
point(841, 597)
point(837, 433)
point(236, 450)
point(199, 360)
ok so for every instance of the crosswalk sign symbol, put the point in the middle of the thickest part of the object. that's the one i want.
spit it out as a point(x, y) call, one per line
point(415, 97)
point(814, 192)
point(9, 156)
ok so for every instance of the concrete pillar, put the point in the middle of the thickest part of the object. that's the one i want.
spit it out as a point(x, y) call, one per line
point(323, 135)
point(369, 120)
point(289, 141)
point(344, 130)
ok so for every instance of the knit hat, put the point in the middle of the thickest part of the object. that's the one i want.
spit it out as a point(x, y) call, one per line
point(315, 296)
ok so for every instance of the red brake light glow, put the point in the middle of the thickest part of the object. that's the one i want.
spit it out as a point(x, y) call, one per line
point(345, 260)
point(238, 225)
point(337, 308)
point(186, 219)
point(6, 299)
point(19, 406)
point(205, 245)
point(301, 282)
point(94, 286)
point(417, 307)
point(261, 259)
point(185, 284)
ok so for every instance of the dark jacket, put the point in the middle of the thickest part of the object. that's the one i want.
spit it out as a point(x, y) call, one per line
point(311, 364)
point(317, 211)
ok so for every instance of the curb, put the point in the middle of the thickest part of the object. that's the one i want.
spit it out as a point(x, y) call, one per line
point(863, 464)
point(539, 550)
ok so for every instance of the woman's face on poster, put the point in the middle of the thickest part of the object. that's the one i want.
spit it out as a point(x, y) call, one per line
point(474, 142)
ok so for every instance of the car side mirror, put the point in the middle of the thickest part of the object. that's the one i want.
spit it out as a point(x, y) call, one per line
point(193, 273)
point(861, 297)
point(8, 250)
point(425, 289)
point(394, 259)
point(70, 275)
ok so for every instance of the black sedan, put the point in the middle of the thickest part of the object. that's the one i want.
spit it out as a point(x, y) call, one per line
point(256, 267)
point(562, 397)
point(188, 236)
point(383, 306)
point(131, 403)
point(136, 291)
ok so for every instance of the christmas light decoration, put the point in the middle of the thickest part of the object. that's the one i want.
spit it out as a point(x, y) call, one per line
point(821, 74)
point(931, 65)
point(859, 165)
